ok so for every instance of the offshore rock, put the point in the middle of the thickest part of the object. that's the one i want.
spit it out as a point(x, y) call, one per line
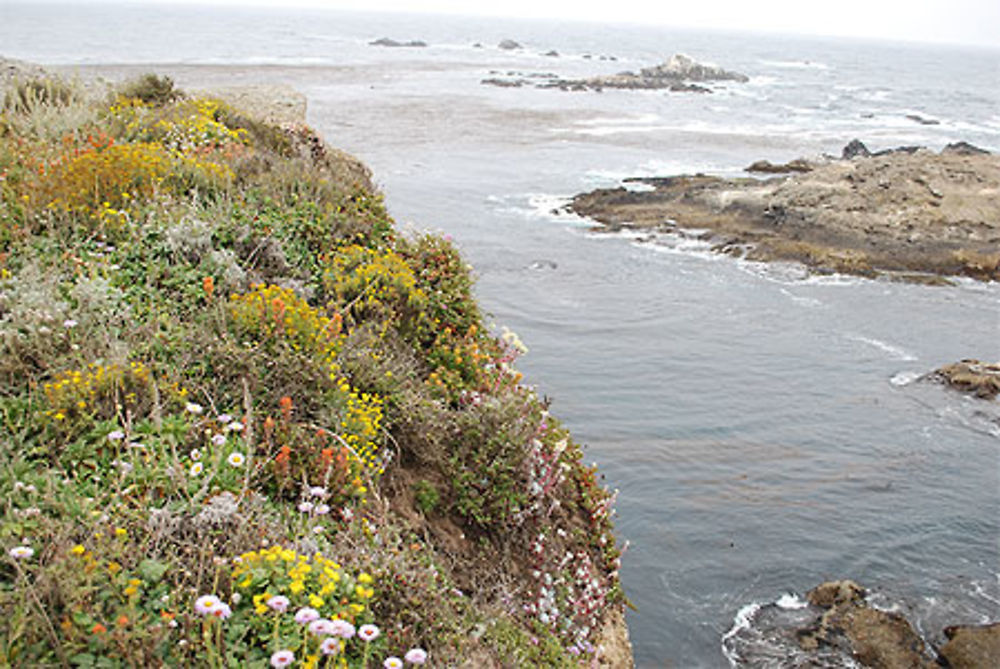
point(971, 646)
point(508, 45)
point(685, 68)
point(680, 74)
point(854, 149)
point(964, 149)
point(874, 638)
point(385, 41)
point(971, 376)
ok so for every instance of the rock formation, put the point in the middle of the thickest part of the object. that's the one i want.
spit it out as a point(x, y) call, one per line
point(908, 213)
point(385, 41)
point(971, 376)
point(679, 74)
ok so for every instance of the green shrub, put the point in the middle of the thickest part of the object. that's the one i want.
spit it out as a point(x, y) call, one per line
point(152, 89)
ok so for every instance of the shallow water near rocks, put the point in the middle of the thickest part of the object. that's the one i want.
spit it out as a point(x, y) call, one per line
point(765, 428)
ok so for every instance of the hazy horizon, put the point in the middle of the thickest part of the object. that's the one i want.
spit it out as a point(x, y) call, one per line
point(958, 22)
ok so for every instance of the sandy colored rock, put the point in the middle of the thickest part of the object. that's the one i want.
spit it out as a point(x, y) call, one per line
point(972, 647)
point(896, 213)
point(972, 376)
point(613, 644)
point(832, 593)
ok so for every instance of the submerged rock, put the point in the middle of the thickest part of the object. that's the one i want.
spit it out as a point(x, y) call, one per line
point(508, 45)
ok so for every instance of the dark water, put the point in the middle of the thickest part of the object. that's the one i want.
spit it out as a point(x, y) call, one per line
point(762, 426)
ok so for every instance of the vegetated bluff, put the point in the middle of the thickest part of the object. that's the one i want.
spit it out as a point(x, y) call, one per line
point(246, 423)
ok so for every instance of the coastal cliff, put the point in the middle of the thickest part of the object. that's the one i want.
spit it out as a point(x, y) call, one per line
point(249, 423)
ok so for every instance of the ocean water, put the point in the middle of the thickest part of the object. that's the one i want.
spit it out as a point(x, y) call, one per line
point(764, 428)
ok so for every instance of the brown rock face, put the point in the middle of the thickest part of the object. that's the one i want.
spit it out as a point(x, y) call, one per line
point(972, 647)
point(874, 638)
point(972, 376)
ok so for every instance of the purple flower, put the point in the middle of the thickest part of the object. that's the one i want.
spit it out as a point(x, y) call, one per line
point(330, 646)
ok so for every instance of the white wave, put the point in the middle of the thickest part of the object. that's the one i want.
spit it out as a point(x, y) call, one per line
point(894, 351)
point(742, 621)
point(791, 602)
point(549, 207)
point(799, 299)
point(619, 120)
point(796, 64)
point(901, 379)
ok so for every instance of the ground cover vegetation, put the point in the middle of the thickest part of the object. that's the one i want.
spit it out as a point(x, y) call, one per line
point(245, 422)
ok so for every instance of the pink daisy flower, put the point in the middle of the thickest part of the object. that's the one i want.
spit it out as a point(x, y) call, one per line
point(416, 656)
point(342, 628)
point(368, 632)
point(278, 603)
point(306, 615)
point(206, 604)
point(282, 658)
point(330, 646)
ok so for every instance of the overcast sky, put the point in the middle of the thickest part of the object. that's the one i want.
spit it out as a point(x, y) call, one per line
point(954, 21)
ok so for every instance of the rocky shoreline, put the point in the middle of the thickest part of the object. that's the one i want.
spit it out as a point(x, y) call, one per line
point(875, 638)
point(909, 213)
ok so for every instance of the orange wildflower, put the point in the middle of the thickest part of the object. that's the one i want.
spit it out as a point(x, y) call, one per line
point(122, 620)
point(208, 285)
point(286, 407)
point(98, 628)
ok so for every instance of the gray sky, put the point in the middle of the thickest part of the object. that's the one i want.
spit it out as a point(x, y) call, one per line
point(954, 21)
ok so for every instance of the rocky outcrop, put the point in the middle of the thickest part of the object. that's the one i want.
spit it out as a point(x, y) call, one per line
point(971, 376)
point(964, 149)
point(385, 41)
point(854, 149)
point(971, 646)
point(679, 74)
point(907, 213)
point(872, 637)
point(767, 167)
point(685, 68)
point(508, 45)
point(847, 624)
